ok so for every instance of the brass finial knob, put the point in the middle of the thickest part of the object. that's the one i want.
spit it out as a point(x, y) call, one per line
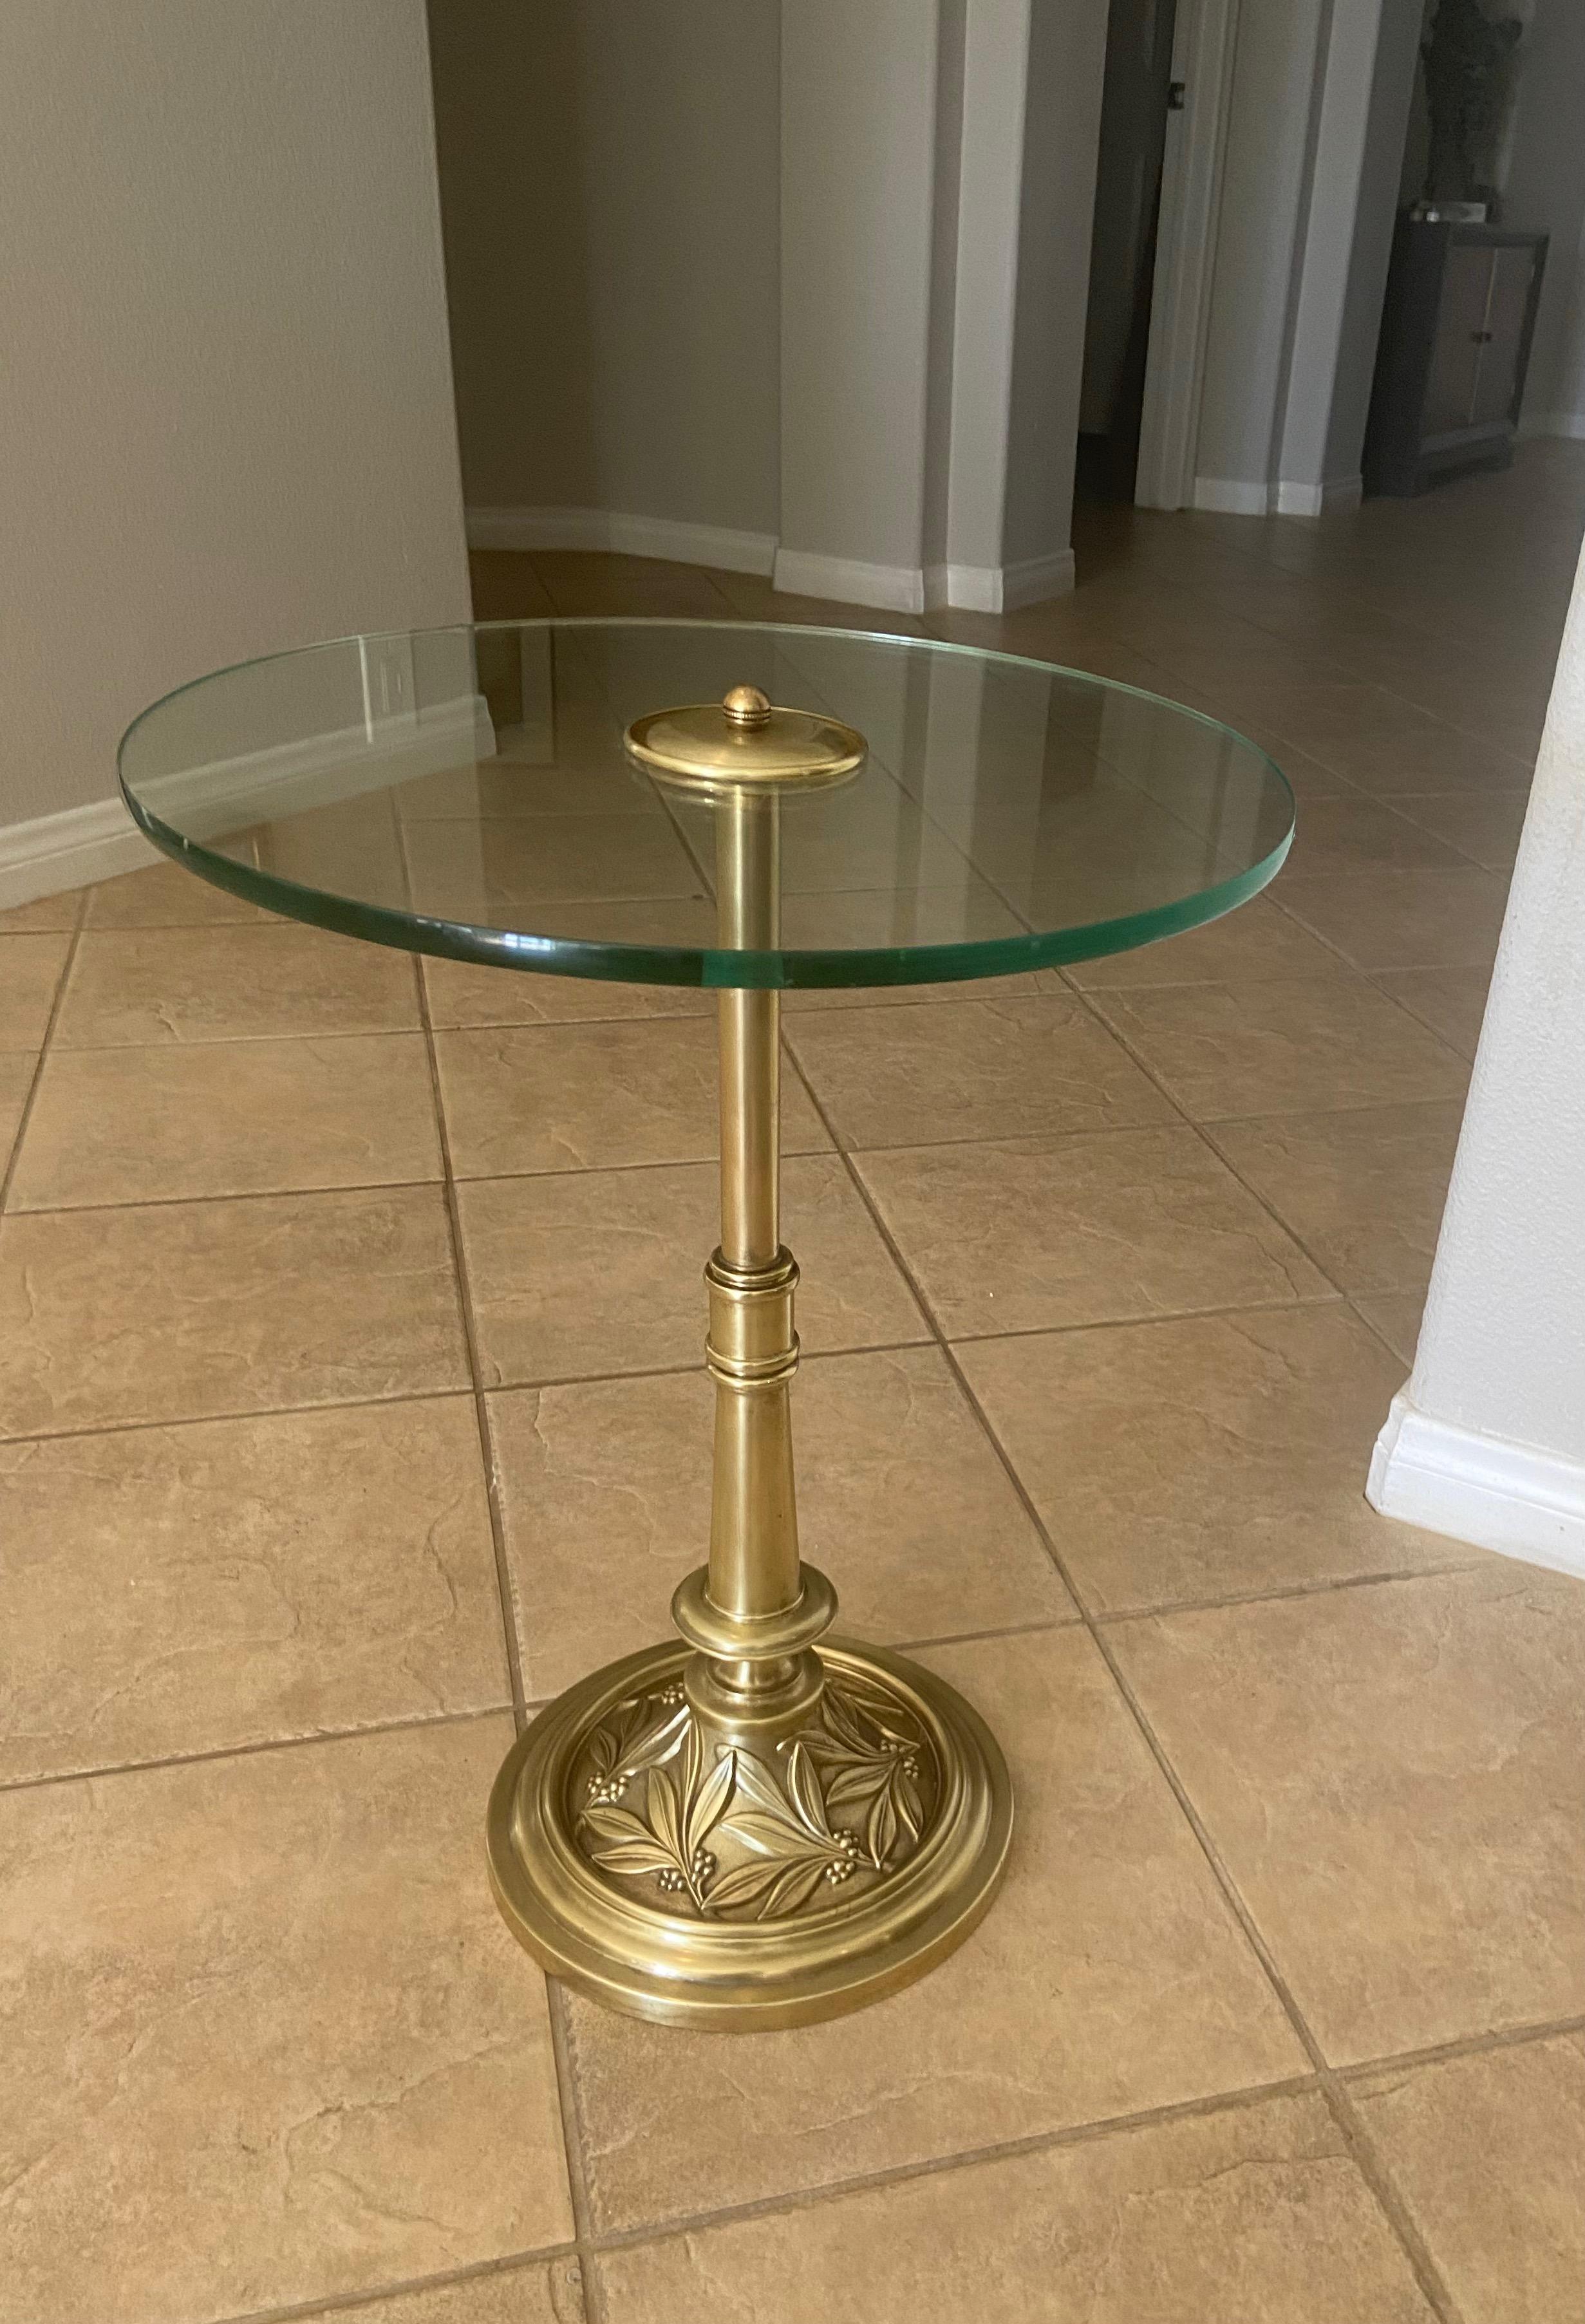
point(745, 706)
point(741, 744)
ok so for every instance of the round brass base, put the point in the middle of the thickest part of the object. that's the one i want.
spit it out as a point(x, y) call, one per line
point(735, 1885)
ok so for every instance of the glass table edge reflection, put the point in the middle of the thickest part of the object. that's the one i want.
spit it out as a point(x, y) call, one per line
point(787, 968)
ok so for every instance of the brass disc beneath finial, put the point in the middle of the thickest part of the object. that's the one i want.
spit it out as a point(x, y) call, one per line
point(744, 743)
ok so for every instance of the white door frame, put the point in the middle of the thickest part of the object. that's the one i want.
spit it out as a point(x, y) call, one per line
point(1204, 40)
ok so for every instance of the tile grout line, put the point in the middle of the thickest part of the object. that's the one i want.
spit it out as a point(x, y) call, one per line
point(255, 1748)
point(349, 2303)
point(74, 939)
point(1203, 1131)
point(615, 2240)
point(572, 2138)
point(1419, 2258)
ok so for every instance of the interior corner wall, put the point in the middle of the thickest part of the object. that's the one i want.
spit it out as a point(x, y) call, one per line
point(610, 184)
point(226, 404)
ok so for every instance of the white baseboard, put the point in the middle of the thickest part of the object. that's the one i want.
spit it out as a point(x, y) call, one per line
point(805, 573)
point(849, 581)
point(1320, 500)
point(1231, 496)
point(52, 852)
point(1568, 424)
point(1000, 588)
point(629, 536)
point(1514, 1498)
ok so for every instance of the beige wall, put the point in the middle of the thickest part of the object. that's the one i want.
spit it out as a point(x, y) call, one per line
point(859, 146)
point(226, 406)
point(610, 182)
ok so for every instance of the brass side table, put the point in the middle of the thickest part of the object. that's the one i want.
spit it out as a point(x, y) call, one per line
point(754, 1823)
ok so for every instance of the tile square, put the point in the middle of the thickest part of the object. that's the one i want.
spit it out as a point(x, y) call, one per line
point(165, 896)
point(168, 1591)
point(602, 1270)
point(461, 994)
point(970, 1069)
point(263, 2029)
point(1364, 1192)
point(1410, 750)
point(586, 1097)
point(496, 870)
point(1395, 1778)
point(1290, 1046)
point(1451, 1000)
point(580, 581)
point(17, 1068)
point(1208, 1458)
point(228, 1118)
point(506, 587)
point(1360, 835)
point(548, 2292)
point(1253, 2214)
point(30, 973)
point(1109, 1976)
point(44, 913)
point(1396, 1315)
point(1488, 2153)
point(132, 986)
point(901, 1501)
point(187, 1311)
point(1026, 1234)
point(1404, 919)
point(1258, 940)
point(1483, 826)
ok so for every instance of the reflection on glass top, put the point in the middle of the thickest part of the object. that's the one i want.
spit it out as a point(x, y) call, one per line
point(466, 792)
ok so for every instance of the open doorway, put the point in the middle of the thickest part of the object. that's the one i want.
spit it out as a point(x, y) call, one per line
point(1138, 95)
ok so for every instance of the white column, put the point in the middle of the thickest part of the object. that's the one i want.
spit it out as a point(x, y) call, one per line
point(1487, 1442)
point(938, 170)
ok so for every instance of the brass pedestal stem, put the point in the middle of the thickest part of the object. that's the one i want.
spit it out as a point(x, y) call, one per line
point(738, 1831)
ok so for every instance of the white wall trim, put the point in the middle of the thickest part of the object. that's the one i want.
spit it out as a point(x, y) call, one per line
point(1000, 589)
point(81, 844)
point(53, 852)
point(1568, 424)
point(629, 536)
point(1232, 496)
point(1515, 1499)
point(805, 573)
point(1320, 500)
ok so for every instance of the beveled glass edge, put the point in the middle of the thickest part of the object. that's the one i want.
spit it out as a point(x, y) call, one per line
point(787, 968)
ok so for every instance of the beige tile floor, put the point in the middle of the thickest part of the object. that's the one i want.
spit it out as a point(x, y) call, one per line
point(344, 1302)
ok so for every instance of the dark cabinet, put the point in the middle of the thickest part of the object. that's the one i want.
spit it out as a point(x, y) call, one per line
point(1450, 364)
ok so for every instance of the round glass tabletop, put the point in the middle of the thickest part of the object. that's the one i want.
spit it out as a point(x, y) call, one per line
point(468, 792)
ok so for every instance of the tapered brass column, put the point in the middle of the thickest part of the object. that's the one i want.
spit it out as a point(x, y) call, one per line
point(737, 1830)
